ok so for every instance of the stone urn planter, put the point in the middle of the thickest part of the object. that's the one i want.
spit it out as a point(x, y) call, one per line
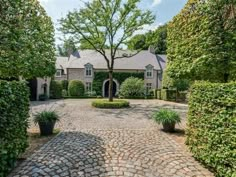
point(46, 128)
point(169, 127)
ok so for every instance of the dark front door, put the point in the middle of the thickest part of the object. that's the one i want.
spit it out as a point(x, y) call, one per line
point(32, 83)
point(107, 89)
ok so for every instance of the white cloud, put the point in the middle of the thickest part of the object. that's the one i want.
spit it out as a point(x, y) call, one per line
point(156, 2)
point(147, 28)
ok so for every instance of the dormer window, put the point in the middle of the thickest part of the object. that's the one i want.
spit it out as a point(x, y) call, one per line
point(88, 70)
point(58, 73)
point(149, 71)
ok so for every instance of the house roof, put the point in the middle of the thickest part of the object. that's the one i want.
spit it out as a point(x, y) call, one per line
point(137, 62)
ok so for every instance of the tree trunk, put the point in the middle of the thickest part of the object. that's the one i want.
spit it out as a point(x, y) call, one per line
point(110, 85)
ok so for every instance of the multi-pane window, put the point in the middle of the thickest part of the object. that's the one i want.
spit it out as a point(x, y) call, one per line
point(148, 87)
point(149, 71)
point(58, 73)
point(88, 86)
point(88, 70)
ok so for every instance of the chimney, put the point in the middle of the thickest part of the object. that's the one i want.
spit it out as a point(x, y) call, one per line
point(151, 49)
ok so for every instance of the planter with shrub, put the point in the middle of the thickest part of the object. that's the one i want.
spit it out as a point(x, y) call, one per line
point(168, 118)
point(43, 97)
point(46, 121)
point(76, 88)
point(113, 105)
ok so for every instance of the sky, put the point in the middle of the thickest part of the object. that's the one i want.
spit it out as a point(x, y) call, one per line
point(164, 10)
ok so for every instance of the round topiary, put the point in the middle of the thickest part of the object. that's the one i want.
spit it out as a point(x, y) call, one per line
point(132, 87)
point(76, 88)
point(112, 105)
point(55, 89)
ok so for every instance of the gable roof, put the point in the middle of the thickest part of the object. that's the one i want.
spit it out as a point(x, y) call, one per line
point(137, 62)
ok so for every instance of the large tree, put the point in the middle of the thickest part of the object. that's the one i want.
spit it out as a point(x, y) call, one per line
point(202, 43)
point(156, 39)
point(67, 48)
point(27, 40)
point(107, 23)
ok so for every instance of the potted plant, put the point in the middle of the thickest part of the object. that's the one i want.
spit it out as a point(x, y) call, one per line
point(43, 97)
point(168, 118)
point(46, 121)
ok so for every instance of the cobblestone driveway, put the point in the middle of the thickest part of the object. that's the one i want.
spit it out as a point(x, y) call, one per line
point(97, 142)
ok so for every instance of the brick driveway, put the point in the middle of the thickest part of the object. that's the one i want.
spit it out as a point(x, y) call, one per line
point(97, 142)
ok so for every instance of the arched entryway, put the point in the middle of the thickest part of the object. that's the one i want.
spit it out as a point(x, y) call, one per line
point(32, 84)
point(106, 88)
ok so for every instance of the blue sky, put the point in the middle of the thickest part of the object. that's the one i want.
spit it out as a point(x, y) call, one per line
point(164, 10)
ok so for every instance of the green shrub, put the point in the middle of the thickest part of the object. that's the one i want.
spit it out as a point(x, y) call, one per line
point(168, 95)
point(164, 116)
point(55, 89)
point(14, 113)
point(132, 87)
point(211, 132)
point(43, 97)
point(64, 93)
point(158, 92)
point(107, 104)
point(65, 84)
point(46, 116)
point(76, 88)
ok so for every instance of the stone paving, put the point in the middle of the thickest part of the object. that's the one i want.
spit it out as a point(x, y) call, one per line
point(116, 143)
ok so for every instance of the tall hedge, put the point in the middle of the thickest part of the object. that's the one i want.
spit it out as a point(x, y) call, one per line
point(14, 113)
point(76, 88)
point(202, 41)
point(211, 132)
point(99, 78)
point(55, 89)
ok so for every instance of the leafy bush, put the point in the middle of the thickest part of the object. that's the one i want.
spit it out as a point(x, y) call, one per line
point(76, 88)
point(46, 116)
point(64, 93)
point(168, 95)
point(164, 116)
point(212, 126)
point(65, 84)
point(14, 113)
point(55, 89)
point(132, 87)
point(107, 104)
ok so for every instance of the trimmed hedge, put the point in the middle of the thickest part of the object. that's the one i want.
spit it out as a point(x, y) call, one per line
point(14, 113)
point(168, 95)
point(157, 94)
point(55, 89)
point(211, 132)
point(64, 84)
point(76, 88)
point(113, 105)
point(99, 78)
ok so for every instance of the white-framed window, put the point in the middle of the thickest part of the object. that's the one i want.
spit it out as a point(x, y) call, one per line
point(148, 87)
point(149, 71)
point(88, 70)
point(58, 73)
point(88, 86)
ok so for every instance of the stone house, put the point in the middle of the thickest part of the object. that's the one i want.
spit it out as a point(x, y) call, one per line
point(82, 65)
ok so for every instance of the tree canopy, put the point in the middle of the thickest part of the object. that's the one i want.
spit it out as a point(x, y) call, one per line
point(107, 24)
point(67, 48)
point(156, 39)
point(27, 40)
point(202, 43)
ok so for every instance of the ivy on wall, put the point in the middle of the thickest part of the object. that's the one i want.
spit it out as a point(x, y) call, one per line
point(100, 77)
point(202, 41)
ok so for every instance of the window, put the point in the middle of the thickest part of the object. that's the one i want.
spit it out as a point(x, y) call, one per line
point(58, 73)
point(88, 86)
point(149, 71)
point(88, 70)
point(148, 87)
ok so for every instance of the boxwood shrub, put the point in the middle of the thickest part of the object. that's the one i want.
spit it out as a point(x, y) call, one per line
point(14, 112)
point(76, 88)
point(113, 105)
point(211, 132)
point(168, 95)
point(55, 89)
